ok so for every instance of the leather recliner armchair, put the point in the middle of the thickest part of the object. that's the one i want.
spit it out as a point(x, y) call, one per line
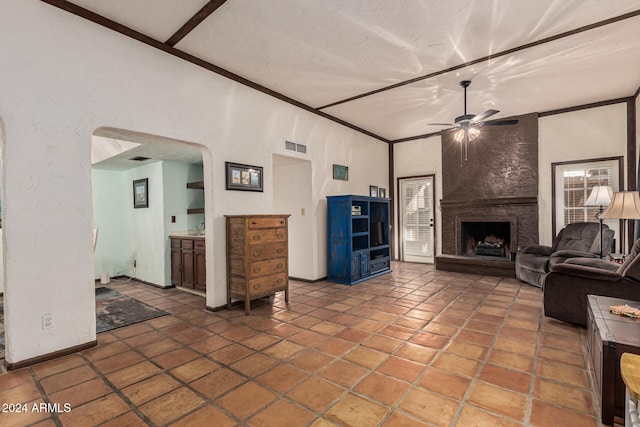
point(581, 239)
point(567, 285)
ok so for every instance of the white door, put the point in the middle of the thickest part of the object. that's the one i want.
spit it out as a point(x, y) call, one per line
point(416, 214)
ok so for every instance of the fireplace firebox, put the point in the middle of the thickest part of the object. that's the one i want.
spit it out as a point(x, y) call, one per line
point(486, 238)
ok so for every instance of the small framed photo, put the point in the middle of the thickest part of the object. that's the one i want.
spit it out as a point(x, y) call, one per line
point(382, 192)
point(373, 191)
point(141, 193)
point(341, 172)
point(243, 177)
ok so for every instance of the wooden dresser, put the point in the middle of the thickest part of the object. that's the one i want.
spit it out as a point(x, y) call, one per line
point(257, 257)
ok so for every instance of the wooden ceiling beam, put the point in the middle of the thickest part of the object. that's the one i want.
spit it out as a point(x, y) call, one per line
point(195, 20)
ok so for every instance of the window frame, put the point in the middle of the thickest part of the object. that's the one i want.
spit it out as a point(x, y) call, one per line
point(618, 161)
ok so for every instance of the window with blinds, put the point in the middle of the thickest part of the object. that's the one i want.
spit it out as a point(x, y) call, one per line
point(574, 182)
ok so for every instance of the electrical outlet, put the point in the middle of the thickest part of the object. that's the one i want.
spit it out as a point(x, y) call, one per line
point(47, 321)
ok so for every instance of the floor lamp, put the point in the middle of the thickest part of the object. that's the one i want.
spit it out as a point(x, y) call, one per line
point(600, 196)
point(625, 205)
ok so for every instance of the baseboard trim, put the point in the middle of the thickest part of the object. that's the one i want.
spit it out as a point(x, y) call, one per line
point(49, 356)
point(214, 309)
point(155, 285)
point(322, 279)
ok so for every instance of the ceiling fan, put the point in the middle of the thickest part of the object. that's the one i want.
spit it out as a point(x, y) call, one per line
point(468, 125)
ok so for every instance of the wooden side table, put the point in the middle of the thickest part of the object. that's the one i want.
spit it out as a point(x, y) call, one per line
point(608, 337)
point(630, 371)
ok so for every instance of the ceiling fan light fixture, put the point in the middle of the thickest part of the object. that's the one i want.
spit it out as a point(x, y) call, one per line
point(473, 133)
point(458, 136)
point(470, 133)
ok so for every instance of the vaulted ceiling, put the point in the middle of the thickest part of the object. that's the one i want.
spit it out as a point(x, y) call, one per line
point(390, 68)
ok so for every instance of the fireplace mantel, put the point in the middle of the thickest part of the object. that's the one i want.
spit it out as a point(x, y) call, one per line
point(496, 201)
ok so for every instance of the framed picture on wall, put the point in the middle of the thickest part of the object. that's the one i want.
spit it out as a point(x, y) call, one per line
point(373, 191)
point(243, 177)
point(141, 193)
point(382, 192)
point(341, 172)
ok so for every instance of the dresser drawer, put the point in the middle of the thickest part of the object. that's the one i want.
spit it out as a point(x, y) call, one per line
point(267, 235)
point(267, 285)
point(257, 223)
point(265, 251)
point(187, 244)
point(267, 267)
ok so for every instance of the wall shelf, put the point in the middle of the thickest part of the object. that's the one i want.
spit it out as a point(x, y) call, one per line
point(198, 185)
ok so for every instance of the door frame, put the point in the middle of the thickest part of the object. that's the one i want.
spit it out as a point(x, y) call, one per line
point(400, 217)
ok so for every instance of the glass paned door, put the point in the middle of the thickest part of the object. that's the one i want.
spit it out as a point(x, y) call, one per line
point(416, 214)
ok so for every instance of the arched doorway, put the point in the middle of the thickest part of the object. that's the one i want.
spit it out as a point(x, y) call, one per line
point(133, 239)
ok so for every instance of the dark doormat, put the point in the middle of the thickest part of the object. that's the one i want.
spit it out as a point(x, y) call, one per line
point(114, 310)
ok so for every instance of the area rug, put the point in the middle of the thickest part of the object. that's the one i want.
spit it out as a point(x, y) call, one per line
point(114, 310)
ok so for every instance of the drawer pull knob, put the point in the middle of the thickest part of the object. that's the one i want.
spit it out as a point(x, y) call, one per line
point(256, 286)
point(279, 281)
point(279, 235)
point(256, 270)
point(280, 250)
point(253, 223)
point(281, 222)
point(256, 237)
point(280, 265)
point(256, 253)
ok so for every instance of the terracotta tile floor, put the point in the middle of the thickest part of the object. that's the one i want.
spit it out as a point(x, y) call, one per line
point(410, 348)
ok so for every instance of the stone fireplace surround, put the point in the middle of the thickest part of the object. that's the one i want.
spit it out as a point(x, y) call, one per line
point(498, 182)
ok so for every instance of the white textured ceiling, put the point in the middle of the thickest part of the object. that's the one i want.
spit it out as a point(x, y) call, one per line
point(321, 52)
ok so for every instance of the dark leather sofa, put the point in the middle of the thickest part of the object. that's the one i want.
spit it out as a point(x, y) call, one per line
point(580, 239)
point(566, 286)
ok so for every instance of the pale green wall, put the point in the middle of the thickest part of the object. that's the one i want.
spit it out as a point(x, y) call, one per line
point(127, 234)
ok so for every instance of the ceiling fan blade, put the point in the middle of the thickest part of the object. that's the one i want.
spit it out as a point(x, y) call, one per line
point(501, 122)
point(483, 116)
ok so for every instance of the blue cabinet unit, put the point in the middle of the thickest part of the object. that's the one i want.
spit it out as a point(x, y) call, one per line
point(357, 238)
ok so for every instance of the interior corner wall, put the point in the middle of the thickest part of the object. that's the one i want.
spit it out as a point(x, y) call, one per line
point(415, 158)
point(147, 231)
point(58, 86)
point(578, 135)
point(111, 198)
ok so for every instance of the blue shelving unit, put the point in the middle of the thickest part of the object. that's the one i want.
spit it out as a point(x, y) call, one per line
point(357, 238)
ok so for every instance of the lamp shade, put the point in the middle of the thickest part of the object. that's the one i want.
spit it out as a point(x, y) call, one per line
point(625, 205)
point(601, 195)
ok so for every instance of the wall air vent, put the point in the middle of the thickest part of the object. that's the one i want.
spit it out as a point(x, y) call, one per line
point(139, 158)
point(292, 146)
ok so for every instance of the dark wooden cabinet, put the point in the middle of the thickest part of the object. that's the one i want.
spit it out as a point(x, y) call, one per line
point(257, 257)
point(608, 337)
point(188, 262)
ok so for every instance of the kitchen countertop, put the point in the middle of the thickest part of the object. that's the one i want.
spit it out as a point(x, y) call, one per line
point(187, 235)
